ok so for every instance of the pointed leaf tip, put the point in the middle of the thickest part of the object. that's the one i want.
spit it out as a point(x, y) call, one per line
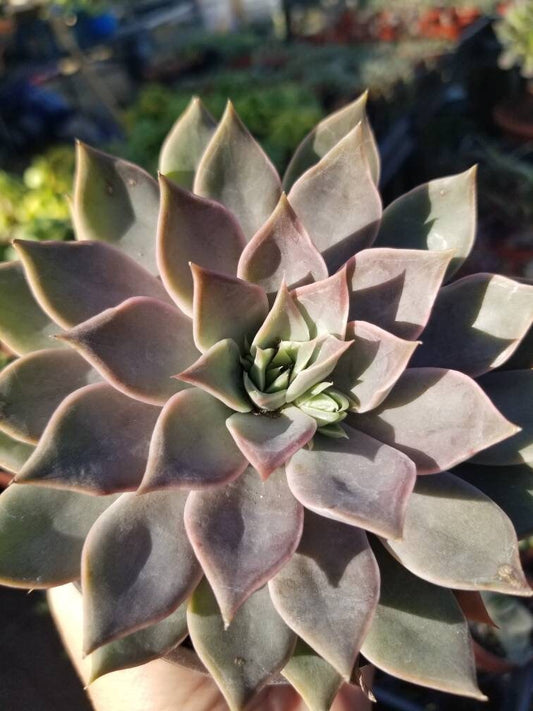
point(236, 172)
point(436, 215)
point(115, 201)
point(227, 534)
point(225, 307)
point(337, 201)
point(193, 229)
point(186, 142)
point(281, 251)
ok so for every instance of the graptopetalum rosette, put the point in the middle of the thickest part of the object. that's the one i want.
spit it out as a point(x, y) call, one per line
point(311, 430)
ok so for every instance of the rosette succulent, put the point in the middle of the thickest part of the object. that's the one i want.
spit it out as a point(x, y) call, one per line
point(251, 420)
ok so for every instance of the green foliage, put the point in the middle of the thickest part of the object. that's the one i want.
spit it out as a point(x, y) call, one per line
point(280, 115)
point(515, 32)
point(34, 206)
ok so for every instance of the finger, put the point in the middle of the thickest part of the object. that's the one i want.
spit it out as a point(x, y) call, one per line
point(156, 686)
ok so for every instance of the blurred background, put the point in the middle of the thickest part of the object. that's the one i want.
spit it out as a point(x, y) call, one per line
point(450, 84)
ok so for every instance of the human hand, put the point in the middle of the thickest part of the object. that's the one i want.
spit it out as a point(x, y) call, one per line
point(161, 686)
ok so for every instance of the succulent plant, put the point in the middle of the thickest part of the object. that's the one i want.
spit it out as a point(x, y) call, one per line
point(515, 33)
point(223, 421)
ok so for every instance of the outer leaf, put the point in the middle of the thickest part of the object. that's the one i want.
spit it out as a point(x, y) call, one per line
point(73, 281)
point(137, 347)
point(473, 607)
point(523, 355)
point(42, 534)
point(184, 146)
point(476, 542)
point(437, 215)
point(281, 251)
point(328, 591)
point(245, 657)
point(193, 229)
point(125, 593)
point(371, 367)
point(140, 647)
point(115, 201)
point(325, 305)
point(283, 323)
point(13, 453)
point(191, 447)
point(429, 620)
point(314, 679)
point(327, 134)
point(510, 487)
point(268, 442)
point(96, 441)
point(358, 480)
point(235, 171)
point(219, 372)
point(338, 202)
point(395, 288)
point(34, 385)
point(228, 535)
point(23, 325)
point(512, 392)
point(476, 324)
point(438, 417)
point(225, 307)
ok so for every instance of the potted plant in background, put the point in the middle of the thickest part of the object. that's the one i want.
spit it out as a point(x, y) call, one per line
point(515, 32)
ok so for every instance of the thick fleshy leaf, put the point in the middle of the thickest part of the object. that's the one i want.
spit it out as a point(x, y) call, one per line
point(191, 447)
point(455, 536)
point(357, 480)
point(42, 533)
point(337, 201)
point(137, 347)
point(438, 417)
point(73, 281)
point(512, 393)
point(510, 487)
point(281, 251)
point(395, 288)
point(228, 535)
point(24, 327)
point(225, 307)
point(219, 372)
point(140, 647)
point(186, 658)
point(283, 323)
point(13, 453)
point(328, 591)
point(235, 171)
point(314, 679)
point(371, 367)
point(268, 442)
point(428, 619)
point(476, 324)
point(34, 385)
point(185, 144)
point(96, 441)
point(125, 593)
point(245, 657)
point(193, 229)
point(325, 305)
point(115, 201)
point(473, 607)
point(327, 134)
point(324, 359)
point(523, 355)
point(437, 215)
